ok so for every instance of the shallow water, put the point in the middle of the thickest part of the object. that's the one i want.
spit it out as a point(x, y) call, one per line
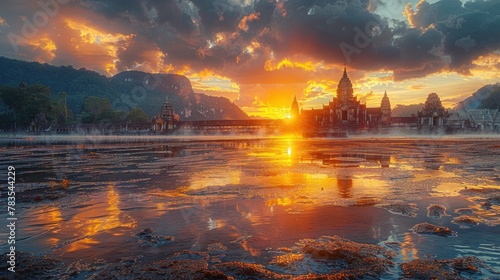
point(83, 201)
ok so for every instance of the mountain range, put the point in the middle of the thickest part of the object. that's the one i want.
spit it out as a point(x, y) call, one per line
point(125, 90)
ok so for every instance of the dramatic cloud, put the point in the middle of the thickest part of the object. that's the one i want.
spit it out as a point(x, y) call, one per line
point(257, 44)
point(427, 14)
point(469, 29)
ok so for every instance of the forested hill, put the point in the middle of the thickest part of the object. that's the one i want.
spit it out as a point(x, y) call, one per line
point(125, 91)
point(150, 90)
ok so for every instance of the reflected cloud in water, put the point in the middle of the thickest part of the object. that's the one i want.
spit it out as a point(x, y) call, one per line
point(249, 195)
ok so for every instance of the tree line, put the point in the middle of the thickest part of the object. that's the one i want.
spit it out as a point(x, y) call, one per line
point(33, 108)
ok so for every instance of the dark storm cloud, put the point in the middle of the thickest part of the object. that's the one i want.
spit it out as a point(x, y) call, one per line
point(115, 8)
point(476, 36)
point(265, 10)
point(219, 15)
point(317, 28)
point(444, 35)
point(170, 12)
point(237, 40)
point(133, 53)
point(470, 30)
point(145, 12)
point(419, 53)
point(180, 29)
point(428, 14)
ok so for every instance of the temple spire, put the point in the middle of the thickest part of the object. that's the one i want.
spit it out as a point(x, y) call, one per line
point(345, 70)
point(294, 109)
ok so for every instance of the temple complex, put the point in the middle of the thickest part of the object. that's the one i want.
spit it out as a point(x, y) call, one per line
point(345, 111)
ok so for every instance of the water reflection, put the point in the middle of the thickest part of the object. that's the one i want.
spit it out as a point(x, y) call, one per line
point(215, 224)
point(47, 220)
point(357, 160)
point(264, 194)
point(408, 247)
point(279, 201)
point(215, 177)
point(344, 186)
point(103, 217)
point(171, 151)
point(289, 171)
point(286, 152)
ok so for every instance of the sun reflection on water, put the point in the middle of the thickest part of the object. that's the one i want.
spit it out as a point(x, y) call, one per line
point(265, 194)
point(103, 217)
point(49, 219)
point(215, 177)
point(285, 201)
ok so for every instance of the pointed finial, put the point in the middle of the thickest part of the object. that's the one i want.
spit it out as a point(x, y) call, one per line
point(166, 99)
point(385, 93)
point(345, 69)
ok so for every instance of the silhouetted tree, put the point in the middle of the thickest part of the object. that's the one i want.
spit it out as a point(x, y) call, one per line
point(97, 106)
point(41, 121)
point(137, 115)
point(27, 102)
point(119, 116)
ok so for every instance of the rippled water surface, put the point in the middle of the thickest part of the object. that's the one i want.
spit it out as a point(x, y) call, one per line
point(91, 205)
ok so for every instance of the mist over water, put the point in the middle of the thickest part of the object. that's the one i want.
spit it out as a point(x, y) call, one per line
point(94, 203)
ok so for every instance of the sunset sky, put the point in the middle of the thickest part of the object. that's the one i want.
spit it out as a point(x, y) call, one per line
point(260, 54)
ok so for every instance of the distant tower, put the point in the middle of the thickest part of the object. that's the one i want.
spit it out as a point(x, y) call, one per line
point(294, 110)
point(345, 91)
point(385, 108)
point(167, 115)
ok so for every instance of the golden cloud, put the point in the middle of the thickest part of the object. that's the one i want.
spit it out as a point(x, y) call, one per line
point(243, 25)
point(308, 66)
point(487, 66)
point(364, 98)
point(213, 84)
point(372, 80)
point(319, 90)
point(47, 47)
point(417, 87)
point(93, 36)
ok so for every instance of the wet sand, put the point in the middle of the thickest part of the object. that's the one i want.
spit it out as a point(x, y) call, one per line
point(95, 207)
